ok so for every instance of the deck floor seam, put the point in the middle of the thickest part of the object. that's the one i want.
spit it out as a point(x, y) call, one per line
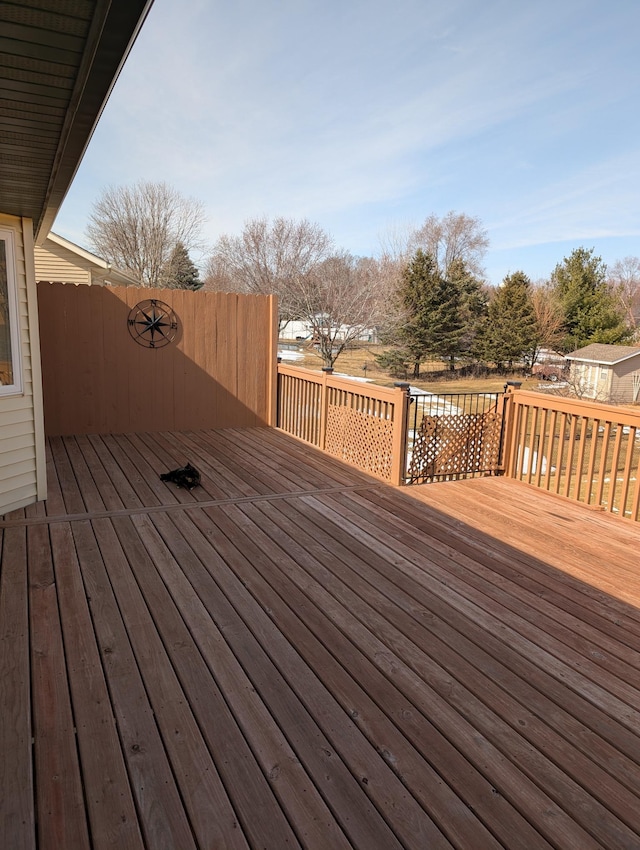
point(183, 506)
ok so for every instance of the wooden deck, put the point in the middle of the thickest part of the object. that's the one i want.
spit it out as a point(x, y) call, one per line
point(295, 655)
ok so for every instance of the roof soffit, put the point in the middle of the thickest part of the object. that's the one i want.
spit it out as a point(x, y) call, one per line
point(59, 60)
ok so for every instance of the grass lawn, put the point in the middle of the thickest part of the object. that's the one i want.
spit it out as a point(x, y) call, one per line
point(360, 362)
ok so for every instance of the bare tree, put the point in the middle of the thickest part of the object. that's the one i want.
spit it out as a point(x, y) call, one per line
point(342, 299)
point(269, 258)
point(138, 227)
point(624, 279)
point(549, 317)
point(395, 244)
point(455, 236)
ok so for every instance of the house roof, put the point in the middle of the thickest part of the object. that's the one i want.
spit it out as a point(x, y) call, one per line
point(600, 353)
point(58, 64)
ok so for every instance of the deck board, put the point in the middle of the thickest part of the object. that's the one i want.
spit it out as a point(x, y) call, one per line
point(108, 793)
point(537, 623)
point(465, 700)
point(246, 563)
point(59, 795)
point(207, 803)
point(148, 768)
point(294, 655)
point(17, 809)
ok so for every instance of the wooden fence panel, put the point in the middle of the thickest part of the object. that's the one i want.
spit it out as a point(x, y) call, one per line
point(220, 371)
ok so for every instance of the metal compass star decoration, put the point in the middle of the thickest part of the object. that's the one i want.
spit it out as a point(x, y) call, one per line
point(152, 323)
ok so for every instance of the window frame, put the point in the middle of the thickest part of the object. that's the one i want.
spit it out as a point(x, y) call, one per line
point(16, 388)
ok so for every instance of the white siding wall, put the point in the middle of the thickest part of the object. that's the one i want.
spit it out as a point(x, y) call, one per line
point(58, 265)
point(591, 380)
point(623, 389)
point(22, 460)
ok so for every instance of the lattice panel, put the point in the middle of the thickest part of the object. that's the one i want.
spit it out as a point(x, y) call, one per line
point(456, 444)
point(366, 441)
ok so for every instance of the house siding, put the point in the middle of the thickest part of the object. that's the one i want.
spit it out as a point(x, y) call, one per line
point(56, 264)
point(590, 380)
point(622, 388)
point(22, 461)
point(603, 381)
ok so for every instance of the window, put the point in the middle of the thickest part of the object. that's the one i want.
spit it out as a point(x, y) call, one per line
point(10, 361)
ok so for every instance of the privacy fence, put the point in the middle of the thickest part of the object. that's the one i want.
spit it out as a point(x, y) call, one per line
point(585, 451)
point(117, 359)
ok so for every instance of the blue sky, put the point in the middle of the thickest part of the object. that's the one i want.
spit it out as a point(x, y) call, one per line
point(369, 115)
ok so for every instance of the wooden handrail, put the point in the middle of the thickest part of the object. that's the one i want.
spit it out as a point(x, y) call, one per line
point(339, 382)
point(579, 407)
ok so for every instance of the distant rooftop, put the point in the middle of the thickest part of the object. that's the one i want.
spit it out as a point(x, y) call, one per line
point(600, 353)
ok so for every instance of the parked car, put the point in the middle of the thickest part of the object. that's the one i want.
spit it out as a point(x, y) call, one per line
point(550, 371)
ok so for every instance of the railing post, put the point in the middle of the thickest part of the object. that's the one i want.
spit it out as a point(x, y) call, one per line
point(327, 371)
point(508, 425)
point(400, 429)
point(273, 378)
point(275, 418)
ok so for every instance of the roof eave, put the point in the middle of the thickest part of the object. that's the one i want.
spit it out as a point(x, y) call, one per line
point(603, 362)
point(76, 249)
point(114, 29)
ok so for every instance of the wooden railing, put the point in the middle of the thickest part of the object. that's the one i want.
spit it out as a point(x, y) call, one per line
point(360, 423)
point(586, 451)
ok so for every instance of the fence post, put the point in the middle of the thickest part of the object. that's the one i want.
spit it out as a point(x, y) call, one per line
point(508, 425)
point(327, 371)
point(400, 423)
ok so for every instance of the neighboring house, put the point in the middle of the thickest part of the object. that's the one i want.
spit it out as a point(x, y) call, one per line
point(56, 73)
point(59, 261)
point(303, 330)
point(606, 372)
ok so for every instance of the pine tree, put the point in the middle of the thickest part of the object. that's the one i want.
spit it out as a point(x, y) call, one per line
point(473, 307)
point(511, 333)
point(589, 307)
point(434, 323)
point(180, 271)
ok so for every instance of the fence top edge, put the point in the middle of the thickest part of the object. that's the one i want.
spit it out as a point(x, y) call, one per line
point(577, 406)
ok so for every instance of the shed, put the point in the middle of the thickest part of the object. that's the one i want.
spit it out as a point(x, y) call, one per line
point(608, 373)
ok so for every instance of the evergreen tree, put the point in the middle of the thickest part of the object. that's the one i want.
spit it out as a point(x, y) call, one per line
point(434, 323)
point(588, 304)
point(180, 271)
point(474, 306)
point(511, 333)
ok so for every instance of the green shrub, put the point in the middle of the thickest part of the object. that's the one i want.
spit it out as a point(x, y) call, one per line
point(396, 362)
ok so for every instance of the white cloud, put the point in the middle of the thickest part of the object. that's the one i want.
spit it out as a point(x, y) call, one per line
point(599, 201)
point(361, 111)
